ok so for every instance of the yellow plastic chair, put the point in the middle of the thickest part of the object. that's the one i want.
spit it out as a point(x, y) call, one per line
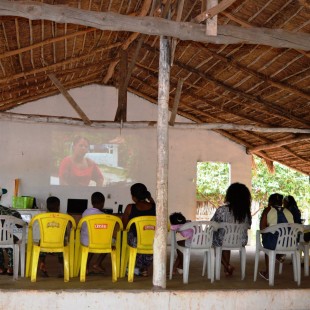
point(101, 228)
point(53, 227)
point(145, 226)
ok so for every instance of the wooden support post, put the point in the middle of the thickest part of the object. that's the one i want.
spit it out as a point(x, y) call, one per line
point(176, 102)
point(211, 23)
point(178, 18)
point(121, 113)
point(160, 242)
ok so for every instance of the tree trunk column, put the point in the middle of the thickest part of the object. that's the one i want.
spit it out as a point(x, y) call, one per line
point(160, 242)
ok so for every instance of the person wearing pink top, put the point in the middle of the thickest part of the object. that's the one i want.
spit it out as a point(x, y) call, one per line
point(77, 169)
point(177, 220)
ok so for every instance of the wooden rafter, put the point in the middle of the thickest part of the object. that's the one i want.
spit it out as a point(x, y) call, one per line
point(209, 13)
point(230, 136)
point(263, 104)
point(211, 22)
point(176, 102)
point(208, 102)
point(227, 34)
point(144, 10)
point(69, 98)
point(279, 143)
point(174, 41)
point(45, 42)
point(7, 116)
point(234, 63)
point(121, 112)
point(59, 64)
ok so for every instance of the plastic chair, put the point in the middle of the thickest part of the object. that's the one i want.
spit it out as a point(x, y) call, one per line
point(53, 228)
point(100, 233)
point(286, 244)
point(201, 242)
point(7, 231)
point(145, 226)
point(233, 236)
point(304, 247)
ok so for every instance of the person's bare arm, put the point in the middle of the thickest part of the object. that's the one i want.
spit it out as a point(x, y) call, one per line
point(263, 220)
point(125, 217)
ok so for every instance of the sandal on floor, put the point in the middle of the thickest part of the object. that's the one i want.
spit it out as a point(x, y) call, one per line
point(264, 275)
point(98, 270)
point(229, 271)
point(43, 273)
point(144, 273)
point(9, 271)
point(3, 271)
point(280, 258)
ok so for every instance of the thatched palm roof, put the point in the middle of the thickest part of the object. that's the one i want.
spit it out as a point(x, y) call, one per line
point(249, 83)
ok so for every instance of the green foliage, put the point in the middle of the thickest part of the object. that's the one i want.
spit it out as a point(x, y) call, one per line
point(284, 181)
point(213, 180)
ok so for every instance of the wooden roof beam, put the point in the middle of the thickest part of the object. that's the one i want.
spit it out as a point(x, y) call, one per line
point(278, 144)
point(71, 101)
point(234, 63)
point(45, 42)
point(211, 22)
point(59, 64)
point(208, 102)
point(231, 136)
point(264, 105)
point(176, 102)
point(227, 34)
point(212, 11)
point(8, 116)
point(49, 91)
point(174, 41)
point(121, 112)
point(144, 10)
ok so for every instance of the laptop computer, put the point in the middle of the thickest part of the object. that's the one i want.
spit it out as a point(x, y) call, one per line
point(76, 206)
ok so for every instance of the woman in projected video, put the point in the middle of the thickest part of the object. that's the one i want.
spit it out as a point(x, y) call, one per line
point(77, 169)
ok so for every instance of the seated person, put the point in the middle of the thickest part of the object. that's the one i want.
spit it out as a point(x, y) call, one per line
point(237, 209)
point(52, 205)
point(177, 220)
point(9, 251)
point(272, 215)
point(143, 205)
point(97, 200)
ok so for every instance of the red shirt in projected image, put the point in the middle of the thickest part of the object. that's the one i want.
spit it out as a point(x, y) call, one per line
point(70, 174)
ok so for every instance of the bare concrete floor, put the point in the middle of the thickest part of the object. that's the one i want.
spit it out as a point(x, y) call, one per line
point(196, 281)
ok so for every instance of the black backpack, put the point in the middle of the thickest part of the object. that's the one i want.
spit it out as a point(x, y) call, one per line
point(269, 239)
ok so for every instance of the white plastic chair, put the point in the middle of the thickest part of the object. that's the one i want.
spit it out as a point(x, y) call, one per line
point(7, 230)
point(304, 247)
point(286, 244)
point(233, 236)
point(201, 242)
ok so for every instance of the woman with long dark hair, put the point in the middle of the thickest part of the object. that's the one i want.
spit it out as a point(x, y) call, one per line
point(237, 209)
point(143, 205)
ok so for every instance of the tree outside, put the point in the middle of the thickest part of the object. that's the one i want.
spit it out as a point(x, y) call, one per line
point(213, 178)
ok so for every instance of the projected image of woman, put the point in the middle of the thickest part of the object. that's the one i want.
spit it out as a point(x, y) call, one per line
point(77, 169)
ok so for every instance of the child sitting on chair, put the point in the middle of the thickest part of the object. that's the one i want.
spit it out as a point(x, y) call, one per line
point(52, 205)
point(177, 220)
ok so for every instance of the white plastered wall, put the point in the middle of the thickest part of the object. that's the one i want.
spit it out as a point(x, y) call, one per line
point(26, 150)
